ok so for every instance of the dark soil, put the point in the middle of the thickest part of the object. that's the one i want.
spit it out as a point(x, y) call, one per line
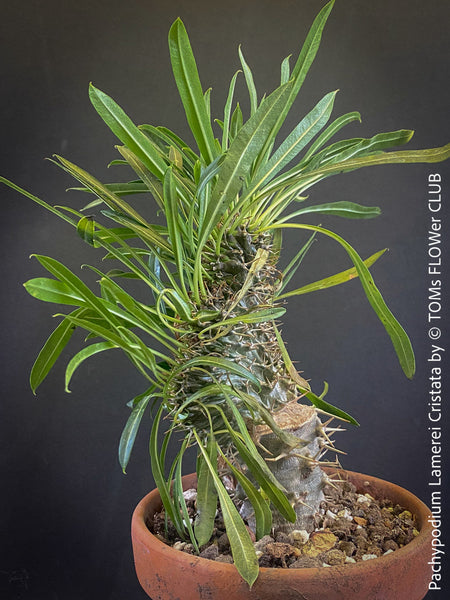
point(351, 527)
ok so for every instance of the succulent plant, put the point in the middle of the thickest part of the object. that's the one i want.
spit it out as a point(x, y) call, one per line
point(202, 326)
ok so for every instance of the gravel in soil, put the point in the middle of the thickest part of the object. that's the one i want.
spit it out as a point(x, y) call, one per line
point(350, 527)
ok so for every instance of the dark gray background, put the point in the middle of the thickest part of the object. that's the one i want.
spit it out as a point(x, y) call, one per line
point(65, 506)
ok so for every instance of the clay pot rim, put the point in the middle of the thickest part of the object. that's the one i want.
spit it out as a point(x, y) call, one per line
point(409, 500)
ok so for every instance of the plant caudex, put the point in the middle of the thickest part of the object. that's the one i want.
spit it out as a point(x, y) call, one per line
point(204, 334)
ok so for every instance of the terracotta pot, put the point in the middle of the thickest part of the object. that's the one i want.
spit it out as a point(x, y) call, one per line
point(167, 574)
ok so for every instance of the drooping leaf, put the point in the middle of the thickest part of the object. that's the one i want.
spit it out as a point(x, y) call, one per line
point(399, 338)
point(242, 549)
point(51, 351)
point(52, 290)
point(263, 514)
point(86, 229)
point(206, 494)
point(81, 356)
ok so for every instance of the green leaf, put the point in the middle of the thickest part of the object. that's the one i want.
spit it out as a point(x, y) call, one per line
point(237, 120)
point(173, 225)
point(242, 549)
point(179, 496)
point(255, 463)
point(321, 404)
point(151, 183)
point(51, 290)
point(250, 83)
point(259, 470)
point(110, 199)
point(227, 113)
point(75, 284)
point(252, 316)
point(86, 229)
point(145, 232)
point(430, 155)
point(158, 475)
point(119, 189)
point(295, 263)
point(337, 279)
point(206, 494)
point(263, 514)
point(190, 90)
point(301, 68)
point(129, 433)
point(127, 132)
point(51, 351)
point(243, 150)
point(213, 362)
point(330, 131)
point(399, 338)
point(348, 210)
point(81, 356)
point(285, 70)
point(296, 141)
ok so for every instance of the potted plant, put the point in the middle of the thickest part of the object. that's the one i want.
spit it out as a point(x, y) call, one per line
point(203, 329)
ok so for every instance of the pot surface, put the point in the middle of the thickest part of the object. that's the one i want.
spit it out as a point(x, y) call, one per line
point(167, 574)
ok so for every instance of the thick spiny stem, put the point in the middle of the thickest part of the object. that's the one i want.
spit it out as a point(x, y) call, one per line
point(296, 468)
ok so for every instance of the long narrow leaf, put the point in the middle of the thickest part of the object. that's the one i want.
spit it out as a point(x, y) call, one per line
point(129, 433)
point(330, 131)
point(51, 351)
point(52, 290)
point(127, 132)
point(81, 356)
point(158, 475)
point(227, 113)
point(173, 225)
point(263, 514)
point(190, 90)
point(242, 549)
point(296, 141)
point(206, 494)
point(301, 68)
point(399, 338)
point(250, 83)
point(75, 284)
point(333, 280)
point(348, 210)
point(240, 156)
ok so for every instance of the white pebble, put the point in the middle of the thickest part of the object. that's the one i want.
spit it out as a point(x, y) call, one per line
point(368, 556)
point(388, 552)
point(363, 499)
point(349, 559)
point(190, 494)
point(179, 545)
point(300, 535)
point(330, 514)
